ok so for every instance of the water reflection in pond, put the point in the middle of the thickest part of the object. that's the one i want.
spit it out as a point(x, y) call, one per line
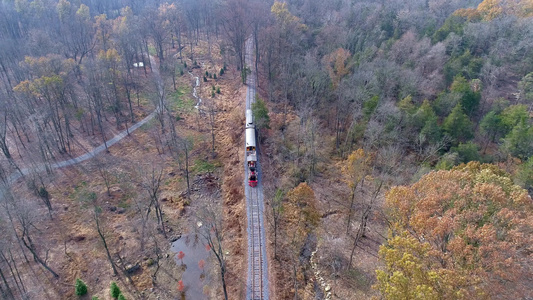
point(194, 262)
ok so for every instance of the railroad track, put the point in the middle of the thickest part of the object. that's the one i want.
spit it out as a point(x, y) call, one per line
point(255, 245)
point(257, 282)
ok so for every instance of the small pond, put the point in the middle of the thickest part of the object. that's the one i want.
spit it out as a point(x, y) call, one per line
point(195, 263)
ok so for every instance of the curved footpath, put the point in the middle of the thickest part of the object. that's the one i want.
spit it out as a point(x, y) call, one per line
point(90, 154)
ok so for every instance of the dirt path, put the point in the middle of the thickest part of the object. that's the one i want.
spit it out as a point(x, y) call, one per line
point(95, 151)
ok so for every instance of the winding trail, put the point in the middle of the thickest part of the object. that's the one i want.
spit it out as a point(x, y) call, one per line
point(92, 153)
point(257, 287)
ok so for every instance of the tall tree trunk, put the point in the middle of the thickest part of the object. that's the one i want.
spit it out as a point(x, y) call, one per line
point(8, 294)
point(275, 240)
point(187, 170)
point(159, 211)
point(223, 277)
point(102, 237)
point(14, 271)
point(99, 119)
point(295, 278)
point(350, 210)
point(3, 143)
point(26, 240)
point(361, 231)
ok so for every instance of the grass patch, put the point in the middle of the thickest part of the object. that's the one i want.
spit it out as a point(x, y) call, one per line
point(144, 99)
point(203, 166)
point(77, 189)
point(180, 103)
point(123, 203)
point(86, 198)
point(358, 279)
point(151, 50)
point(150, 124)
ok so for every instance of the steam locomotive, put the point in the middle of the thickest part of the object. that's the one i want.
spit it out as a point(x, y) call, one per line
point(251, 155)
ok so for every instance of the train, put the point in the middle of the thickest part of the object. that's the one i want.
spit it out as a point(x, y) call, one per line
point(251, 153)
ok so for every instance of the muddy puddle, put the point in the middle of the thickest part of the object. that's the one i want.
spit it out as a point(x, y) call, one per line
point(195, 263)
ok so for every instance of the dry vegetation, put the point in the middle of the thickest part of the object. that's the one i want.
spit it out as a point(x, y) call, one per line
point(329, 239)
point(359, 103)
point(70, 239)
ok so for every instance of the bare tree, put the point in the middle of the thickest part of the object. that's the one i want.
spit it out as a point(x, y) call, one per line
point(235, 24)
point(37, 182)
point(7, 261)
point(92, 199)
point(3, 131)
point(211, 113)
point(76, 30)
point(94, 93)
point(151, 179)
point(366, 210)
point(101, 234)
point(192, 12)
point(180, 149)
point(155, 23)
point(187, 146)
point(23, 218)
point(125, 35)
point(177, 25)
point(260, 12)
point(212, 231)
point(103, 164)
point(158, 253)
point(355, 168)
point(210, 21)
point(311, 140)
point(5, 291)
point(277, 210)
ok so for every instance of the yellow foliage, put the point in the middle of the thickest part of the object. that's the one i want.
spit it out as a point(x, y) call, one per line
point(490, 9)
point(470, 227)
point(21, 6)
point(48, 65)
point(46, 86)
point(407, 105)
point(527, 8)
point(110, 57)
point(103, 28)
point(284, 17)
point(126, 12)
point(356, 167)
point(301, 214)
point(63, 9)
point(23, 87)
point(337, 65)
point(83, 13)
point(471, 14)
point(302, 199)
point(407, 274)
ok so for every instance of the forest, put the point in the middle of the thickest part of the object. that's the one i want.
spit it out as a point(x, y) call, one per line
point(396, 144)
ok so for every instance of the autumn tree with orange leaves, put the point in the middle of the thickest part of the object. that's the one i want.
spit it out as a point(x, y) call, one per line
point(337, 64)
point(464, 233)
point(492, 9)
point(354, 169)
point(301, 208)
point(301, 219)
